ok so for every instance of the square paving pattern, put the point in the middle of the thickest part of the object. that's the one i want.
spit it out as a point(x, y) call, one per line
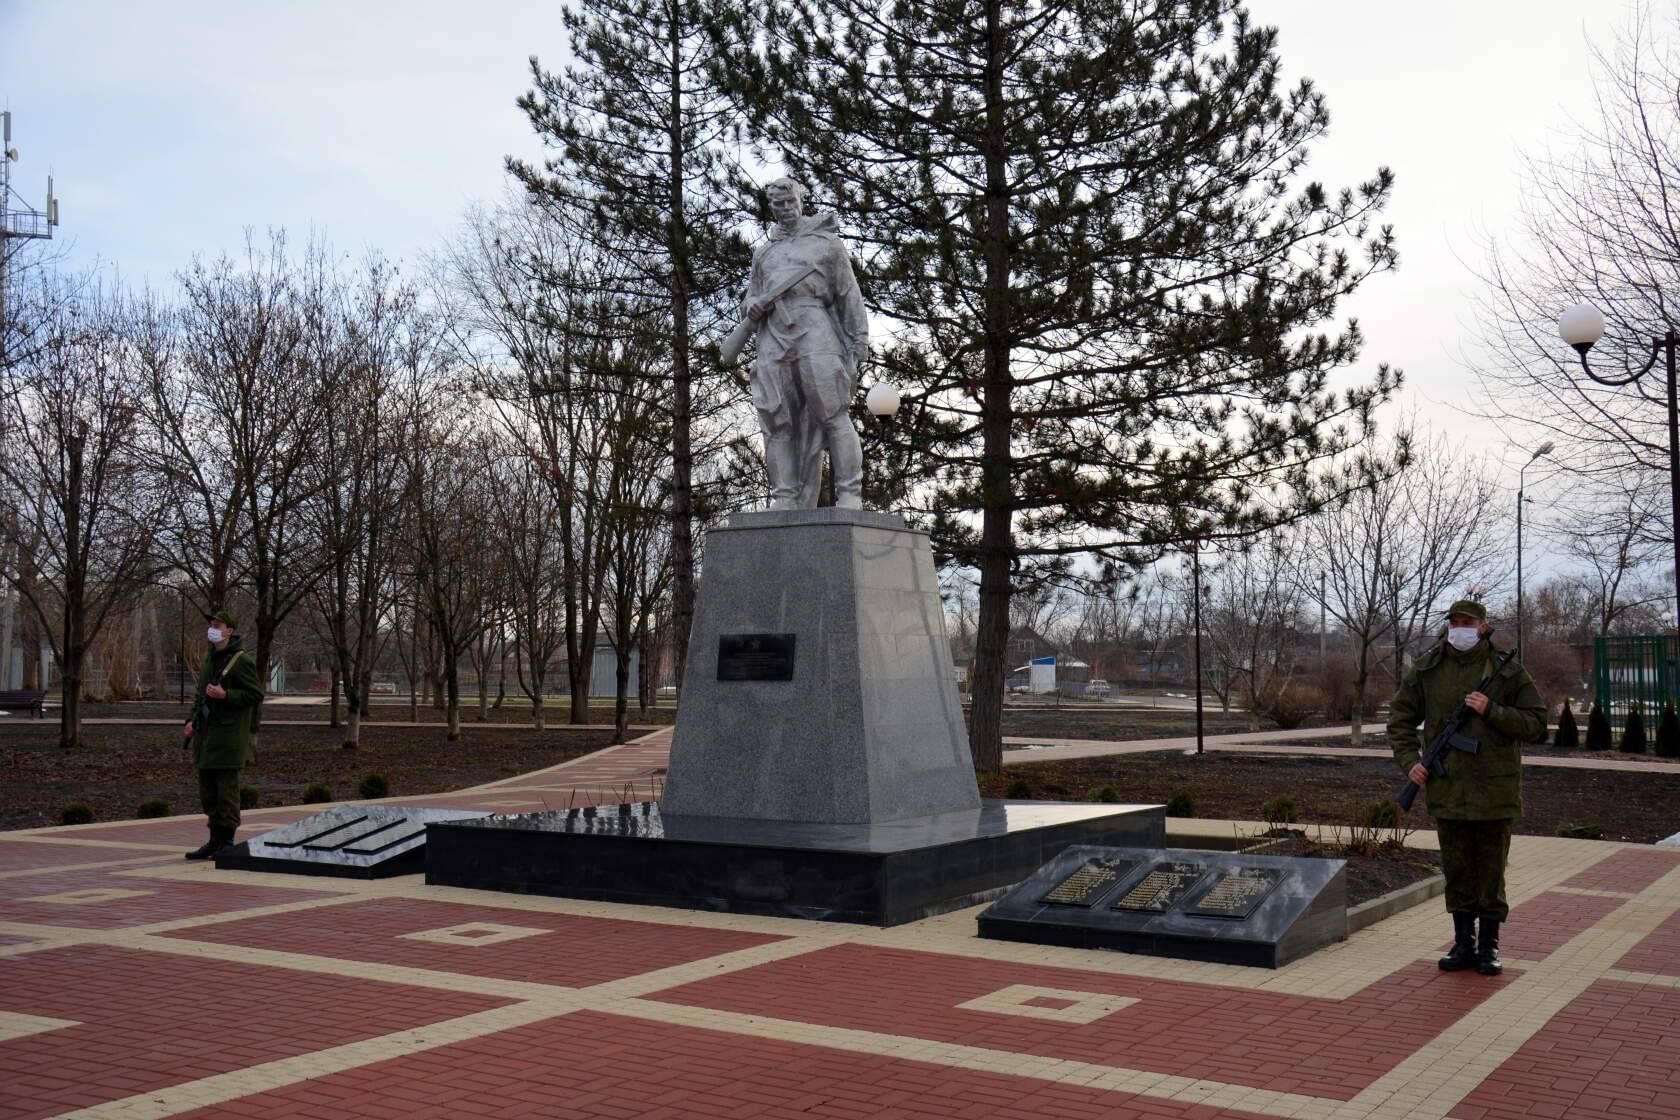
point(134, 984)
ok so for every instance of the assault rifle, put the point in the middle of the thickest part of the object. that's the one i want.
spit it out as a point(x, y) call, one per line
point(1450, 738)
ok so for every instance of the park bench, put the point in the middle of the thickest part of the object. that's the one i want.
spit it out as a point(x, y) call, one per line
point(16, 699)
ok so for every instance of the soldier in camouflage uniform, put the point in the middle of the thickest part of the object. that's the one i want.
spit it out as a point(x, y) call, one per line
point(221, 745)
point(1475, 802)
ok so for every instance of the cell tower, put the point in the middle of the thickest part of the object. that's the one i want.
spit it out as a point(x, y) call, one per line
point(18, 221)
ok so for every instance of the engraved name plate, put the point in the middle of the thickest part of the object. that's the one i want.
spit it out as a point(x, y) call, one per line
point(1236, 894)
point(1162, 888)
point(1089, 883)
point(755, 657)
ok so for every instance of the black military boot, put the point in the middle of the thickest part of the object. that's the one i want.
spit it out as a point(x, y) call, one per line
point(222, 837)
point(1462, 955)
point(208, 848)
point(1487, 949)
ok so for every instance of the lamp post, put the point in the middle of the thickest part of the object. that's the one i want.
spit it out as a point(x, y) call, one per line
point(882, 400)
point(1196, 641)
point(1583, 325)
point(1543, 449)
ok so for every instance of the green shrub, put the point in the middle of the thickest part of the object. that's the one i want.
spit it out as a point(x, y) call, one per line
point(1598, 729)
point(156, 807)
point(1668, 733)
point(1180, 805)
point(1567, 736)
point(373, 787)
point(1018, 790)
point(316, 793)
point(1279, 811)
point(1633, 733)
point(1581, 831)
point(248, 797)
point(1380, 814)
point(77, 812)
point(1107, 795)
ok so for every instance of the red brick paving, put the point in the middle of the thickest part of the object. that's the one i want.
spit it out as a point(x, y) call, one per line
point(26, 855)
point(1630, 870)
point(1659, 952)
point(165, 899)
point(594, 1065)
point(580, 951)
point(1266, 1040)
point(150, 1019)
point(1609, 1054)
point(1547, 922)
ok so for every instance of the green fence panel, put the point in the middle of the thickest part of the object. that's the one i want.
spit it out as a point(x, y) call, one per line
point(1636, 669)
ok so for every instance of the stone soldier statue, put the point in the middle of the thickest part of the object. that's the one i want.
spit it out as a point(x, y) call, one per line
point(1475, 802)
point(803, 303)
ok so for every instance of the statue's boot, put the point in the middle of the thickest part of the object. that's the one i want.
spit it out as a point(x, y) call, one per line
point(845, 460)
point(781, 463)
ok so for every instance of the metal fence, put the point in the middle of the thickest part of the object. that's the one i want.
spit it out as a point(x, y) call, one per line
point(1642, 670)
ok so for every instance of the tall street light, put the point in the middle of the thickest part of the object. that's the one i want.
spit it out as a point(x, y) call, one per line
point(1543, 449)
point(1583, 325)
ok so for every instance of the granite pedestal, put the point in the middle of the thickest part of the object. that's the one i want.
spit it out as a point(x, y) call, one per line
point(1222, 907)
point(819, 686)
point(880, 874)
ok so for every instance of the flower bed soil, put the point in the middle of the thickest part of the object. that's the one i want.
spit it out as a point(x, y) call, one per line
point(1373, 871)
point(1637, 807)
point(121, 766)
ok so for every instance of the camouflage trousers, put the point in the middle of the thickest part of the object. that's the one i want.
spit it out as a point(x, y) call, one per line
point(1473, 857)
point(218, 793)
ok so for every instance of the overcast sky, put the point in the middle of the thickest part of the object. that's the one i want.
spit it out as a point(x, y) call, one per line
point(172, 125)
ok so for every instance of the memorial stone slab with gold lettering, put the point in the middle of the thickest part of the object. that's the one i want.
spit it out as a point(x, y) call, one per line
point(1205, 906)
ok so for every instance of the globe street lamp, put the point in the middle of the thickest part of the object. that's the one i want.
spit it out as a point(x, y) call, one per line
point(1543, 449)
point(1583, 325)
point(882, 400)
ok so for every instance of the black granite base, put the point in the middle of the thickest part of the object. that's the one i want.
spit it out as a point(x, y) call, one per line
point(1195, 905)
point(882, 874)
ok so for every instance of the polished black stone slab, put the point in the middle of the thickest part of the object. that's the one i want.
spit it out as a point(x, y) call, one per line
point(1227, 908)
point(346, 841)
point(878, 874)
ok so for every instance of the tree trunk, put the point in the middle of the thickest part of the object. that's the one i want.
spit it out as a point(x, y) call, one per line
point(332, 718)
point(682, 455)
point(985, 728)
point(537, 708)
point(621, 701)
point(1360, 677)
point(353, 731)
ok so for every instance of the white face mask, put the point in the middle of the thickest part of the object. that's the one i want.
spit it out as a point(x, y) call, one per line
point(1462, 638)
point(214, 634)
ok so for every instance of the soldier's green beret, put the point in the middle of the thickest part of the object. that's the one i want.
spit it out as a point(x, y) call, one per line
point(226, 615)
point(1470, 607)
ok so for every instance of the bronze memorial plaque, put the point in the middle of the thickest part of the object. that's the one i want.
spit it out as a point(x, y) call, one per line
point(1161, 889)
point(1088, 884)
point(1236, 894)
point(755, 657)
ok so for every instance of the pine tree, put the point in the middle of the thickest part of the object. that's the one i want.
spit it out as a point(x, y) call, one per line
point(1668, 733)
point(1566, 736)
point(1117, 300)
point(639, 132)
point(1633, 734)
point(1598, 729)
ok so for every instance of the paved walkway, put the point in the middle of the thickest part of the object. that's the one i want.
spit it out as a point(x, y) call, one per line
point(134, 984)
point(1020, 749)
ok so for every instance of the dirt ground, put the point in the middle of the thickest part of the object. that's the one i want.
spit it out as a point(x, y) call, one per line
point(1641, 808)
point(1371, 873)
point(1085, 720)
point(383, 710)
point(124, 765)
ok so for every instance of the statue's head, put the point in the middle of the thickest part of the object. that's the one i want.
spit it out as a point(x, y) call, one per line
point(787, 199)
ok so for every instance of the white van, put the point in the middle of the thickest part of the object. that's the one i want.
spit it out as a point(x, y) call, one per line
point(1096, 688)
